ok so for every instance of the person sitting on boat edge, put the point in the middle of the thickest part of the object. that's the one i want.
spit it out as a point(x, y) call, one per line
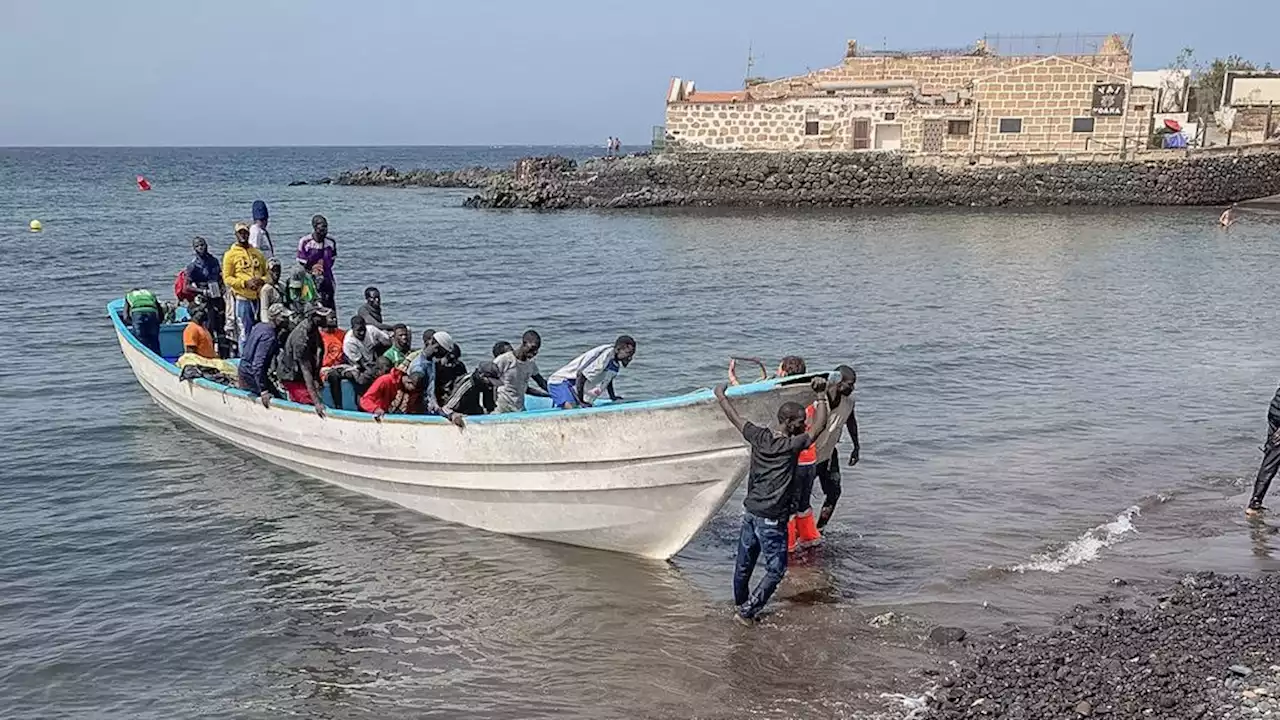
point(244, 270)
point(790, 365)
point(450, 371)
point(323, 247)
point(397, 392)
point(298, 364)
point(474, 395)
point(362, 347)
point(196, 338)
point(770, 499)
point(258, 355)
point(435, 345)
point(142, 313)
point(371, 310)
point(518, 367)
point(401, 344)
point(590, 374)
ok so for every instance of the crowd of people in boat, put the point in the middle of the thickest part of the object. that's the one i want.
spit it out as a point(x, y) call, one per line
point(284, 330)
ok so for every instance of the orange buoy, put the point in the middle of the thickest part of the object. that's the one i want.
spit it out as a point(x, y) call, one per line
point(143, 184)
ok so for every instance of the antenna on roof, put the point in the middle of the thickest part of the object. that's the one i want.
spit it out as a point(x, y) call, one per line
point(751, 62)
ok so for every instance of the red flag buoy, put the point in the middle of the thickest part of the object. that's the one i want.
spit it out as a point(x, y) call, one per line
point(143, 184)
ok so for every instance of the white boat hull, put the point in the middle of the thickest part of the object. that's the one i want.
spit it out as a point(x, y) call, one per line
point(639, 478)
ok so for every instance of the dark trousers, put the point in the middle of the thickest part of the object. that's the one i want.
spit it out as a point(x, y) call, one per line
point(335, 390)
point(146, 327)
point(805, 475)
point(1270, 463)
point(829, 478)
point(759, 535)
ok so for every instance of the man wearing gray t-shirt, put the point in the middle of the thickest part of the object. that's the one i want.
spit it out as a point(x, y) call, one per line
point(517, 368)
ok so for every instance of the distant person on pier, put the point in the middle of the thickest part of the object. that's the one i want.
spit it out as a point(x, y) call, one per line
point(258, 235)
point(1228, 217)
point(591, 374)
point(1270, 459)
point(299, 365)
point(371, 310)
point(771, 491)
point(474, 395)
point(258, 355)
point(244, 270)
point(518, 368)
point(142, 312)
point(320, 246)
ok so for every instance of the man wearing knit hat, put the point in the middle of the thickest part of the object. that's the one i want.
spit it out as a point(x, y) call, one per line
point(258, 235)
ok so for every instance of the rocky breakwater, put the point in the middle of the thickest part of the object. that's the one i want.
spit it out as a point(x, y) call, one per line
point(385, 175)
point(1208, 649)
point(1208, 177)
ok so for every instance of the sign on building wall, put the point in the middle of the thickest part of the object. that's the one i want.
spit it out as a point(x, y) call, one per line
point(1108, 99)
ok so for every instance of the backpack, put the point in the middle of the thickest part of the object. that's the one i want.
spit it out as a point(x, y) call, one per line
point(181, 289)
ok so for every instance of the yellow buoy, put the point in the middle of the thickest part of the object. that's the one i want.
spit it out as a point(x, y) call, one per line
point(36, 226)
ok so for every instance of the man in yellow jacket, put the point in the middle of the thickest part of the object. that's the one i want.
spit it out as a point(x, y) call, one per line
point(244, 271)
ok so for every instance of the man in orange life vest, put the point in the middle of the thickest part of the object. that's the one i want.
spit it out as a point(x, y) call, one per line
point(819, 461)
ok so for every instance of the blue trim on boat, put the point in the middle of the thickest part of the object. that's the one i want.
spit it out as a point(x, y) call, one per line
point(115, 310)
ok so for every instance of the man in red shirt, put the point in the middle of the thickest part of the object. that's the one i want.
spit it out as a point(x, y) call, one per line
point(396, 392)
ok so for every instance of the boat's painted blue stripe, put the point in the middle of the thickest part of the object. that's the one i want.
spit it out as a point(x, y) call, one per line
point(115, 309)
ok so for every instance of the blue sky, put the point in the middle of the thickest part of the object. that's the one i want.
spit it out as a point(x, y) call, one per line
point(438, 72)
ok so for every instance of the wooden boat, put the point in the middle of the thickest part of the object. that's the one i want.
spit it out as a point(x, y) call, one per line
point(637, 477)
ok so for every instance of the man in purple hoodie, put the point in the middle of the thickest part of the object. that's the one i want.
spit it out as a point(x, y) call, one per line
point(320, 245)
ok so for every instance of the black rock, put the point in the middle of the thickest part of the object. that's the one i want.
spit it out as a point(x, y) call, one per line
point(943, 635)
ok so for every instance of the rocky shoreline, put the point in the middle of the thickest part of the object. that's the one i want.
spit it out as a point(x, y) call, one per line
point(797, 179)
point(388, 176)
point(1210, 648)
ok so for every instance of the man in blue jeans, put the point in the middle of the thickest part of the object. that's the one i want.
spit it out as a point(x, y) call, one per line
point(771, 496)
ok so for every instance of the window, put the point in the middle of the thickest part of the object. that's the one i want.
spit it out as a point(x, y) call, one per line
point(1010, 125)
point(890, 116)
point(1082, 125)
point(958, 127)
point(880, 91)
point(811, 123)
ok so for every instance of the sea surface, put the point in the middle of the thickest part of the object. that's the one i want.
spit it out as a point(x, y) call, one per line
point(1048, 400)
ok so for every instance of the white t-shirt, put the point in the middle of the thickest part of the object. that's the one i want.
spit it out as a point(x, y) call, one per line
point(261, 239)
point(598, 365)
point(516, 374)
point(361, 351)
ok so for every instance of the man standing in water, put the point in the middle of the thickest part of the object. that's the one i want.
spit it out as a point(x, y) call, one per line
point(1270, 459)
point(770, 495)
point(841, 417)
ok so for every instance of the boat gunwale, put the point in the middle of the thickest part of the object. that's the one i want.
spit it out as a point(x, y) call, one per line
point(116, 307)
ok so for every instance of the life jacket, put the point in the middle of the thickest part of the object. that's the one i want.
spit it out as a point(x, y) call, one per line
point(182, 289)
point(142, 301)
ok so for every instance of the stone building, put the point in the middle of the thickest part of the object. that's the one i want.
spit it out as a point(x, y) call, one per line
point(975, 102)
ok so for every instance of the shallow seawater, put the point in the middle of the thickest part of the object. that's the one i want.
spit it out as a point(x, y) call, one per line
point(1048, 400)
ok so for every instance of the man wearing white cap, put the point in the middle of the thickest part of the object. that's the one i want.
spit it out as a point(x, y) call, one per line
point(435, 345)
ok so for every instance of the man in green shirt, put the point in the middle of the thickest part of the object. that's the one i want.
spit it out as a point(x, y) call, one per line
point(142, 314)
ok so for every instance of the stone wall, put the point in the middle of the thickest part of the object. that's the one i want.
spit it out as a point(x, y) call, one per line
point(1047, 95)
point(775, 125)
point(934, 74)
point(1209, 177)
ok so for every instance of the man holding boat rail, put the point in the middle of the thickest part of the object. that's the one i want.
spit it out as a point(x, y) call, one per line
point(771, 491)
